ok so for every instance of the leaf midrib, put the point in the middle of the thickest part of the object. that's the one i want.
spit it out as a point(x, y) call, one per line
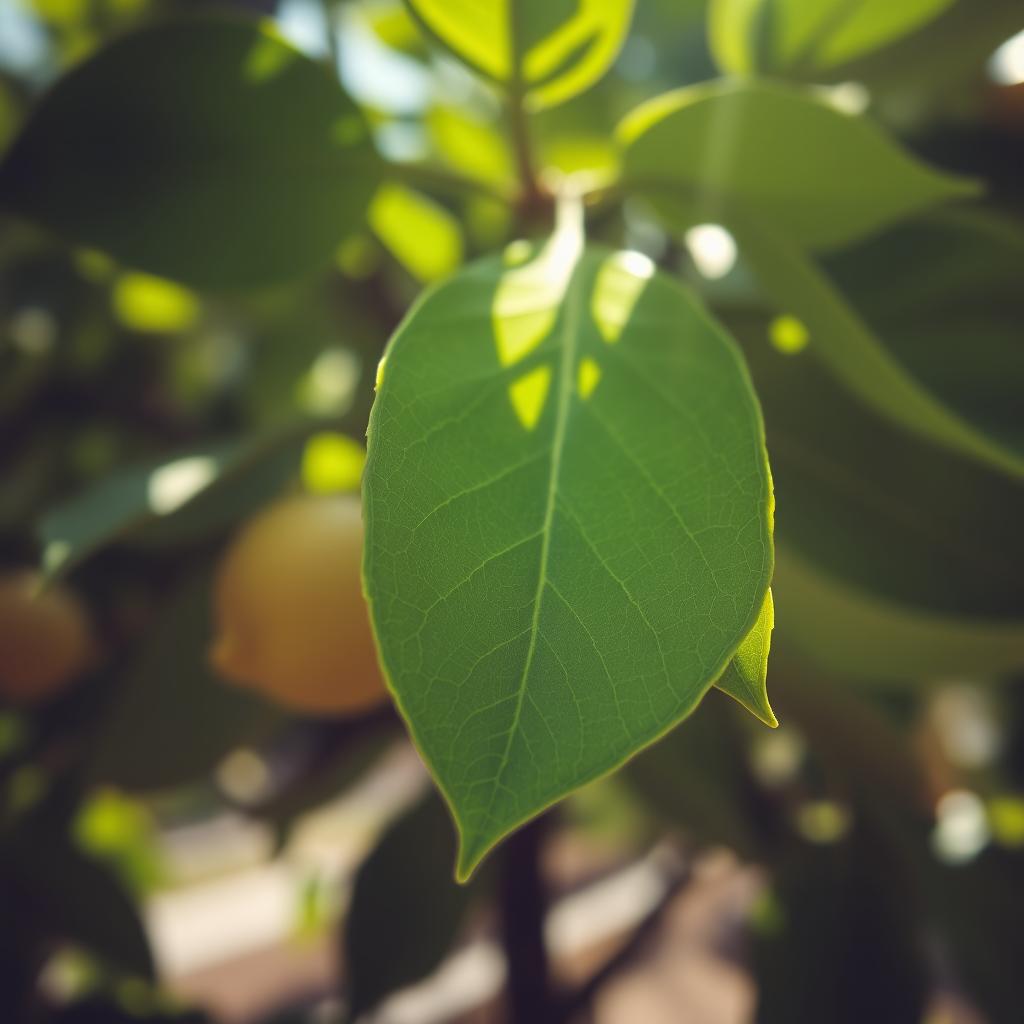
point(569, 337)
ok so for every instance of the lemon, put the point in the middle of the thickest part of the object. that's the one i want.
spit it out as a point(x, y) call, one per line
point(45, 638)
point(291, 620)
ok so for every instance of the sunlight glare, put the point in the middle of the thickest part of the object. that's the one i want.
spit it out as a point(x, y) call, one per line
point(589, 377)
point(713, 250)
point(527, 299)
point(1006, 65)
point(171, 486)
point(528, 395)
point(620, 283)
point(961, 831)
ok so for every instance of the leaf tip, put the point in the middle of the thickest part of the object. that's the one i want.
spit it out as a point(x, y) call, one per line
point(469, 859)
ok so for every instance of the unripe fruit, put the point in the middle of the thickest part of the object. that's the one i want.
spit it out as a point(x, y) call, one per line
point(45, 640)
point(292, 622)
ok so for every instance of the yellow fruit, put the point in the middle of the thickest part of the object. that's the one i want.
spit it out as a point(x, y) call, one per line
point(292, 622)
point(45, 640)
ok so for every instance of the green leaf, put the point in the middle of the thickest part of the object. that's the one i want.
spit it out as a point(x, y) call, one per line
point(205, 150)
point(842, 340)
point(747, 36)
point(745, 678)
point(550, 50)
point(406, 910)
point(171, 499)
point(568, 523)
point(172, 720)
point(814, 175)
point(878, 509)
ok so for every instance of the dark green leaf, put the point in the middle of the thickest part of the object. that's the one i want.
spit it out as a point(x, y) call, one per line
point(406, 910)
point(841, 942)
point(953, 326)
point(171, 499)
point(202, 149)
point(568, 523)
point(877, 509)
point(50, 889)
point(551, 49)
point(855, 632)
point(813, 175)
point(979, 907)
point(172, 720)
point(984, 427)
point(696, 780)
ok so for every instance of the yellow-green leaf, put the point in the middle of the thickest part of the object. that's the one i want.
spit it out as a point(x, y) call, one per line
point(550, 50)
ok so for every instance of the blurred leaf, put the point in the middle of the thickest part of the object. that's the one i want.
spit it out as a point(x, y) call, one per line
point(842, 937)
point(953, 325)
point(855, 633)
point(942, 61)
point(172, 500)
point(810, 174)
point(393, 26)
point(423, 236)
point(542, 453)
point(745, 677)
point(406, 910)
point(843, 943)
point(696, 780)
point(231, 160)
point(846, 345)
point(747, 36)
point(50, 889)
point(172, 719)
point(362, 745)
point(875, 508)
point(979, 909)
point(470, 145)
point(549, 49)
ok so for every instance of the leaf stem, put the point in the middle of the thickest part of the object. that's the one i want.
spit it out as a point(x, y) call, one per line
point(532, 198)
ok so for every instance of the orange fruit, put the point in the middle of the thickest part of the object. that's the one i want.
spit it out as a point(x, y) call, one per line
point(291, 620)
point(45, 638)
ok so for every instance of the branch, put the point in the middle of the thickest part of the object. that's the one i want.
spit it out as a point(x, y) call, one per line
point(523, 910)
